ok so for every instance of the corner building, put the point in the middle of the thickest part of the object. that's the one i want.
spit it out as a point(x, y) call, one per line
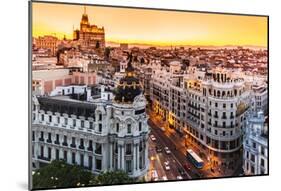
point(100, 134)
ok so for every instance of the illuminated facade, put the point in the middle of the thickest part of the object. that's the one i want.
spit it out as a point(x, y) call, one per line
point(209, 107)
point(89, 36)
point(47, 42)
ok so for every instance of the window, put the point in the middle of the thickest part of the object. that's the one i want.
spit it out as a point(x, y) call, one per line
point(262, 162)
point(247, 154)
point(90, 158)
point(231, 105)
point(73, 158)
point(49, 152)
point(128, 166)
point(65, 140)
point(98, 148)
point(117, 127)
point(216, 132)
point(81, 144)
point(74, 122)
point(65, 155)
point(49, 138)
point(42, 117)
point(73, 142)
point(252, 169)
point(224, 105)
point(100, 117)
point(91, 125)
point(65, 121)
point(82, 124)
point(262, 151)
point(98, 164)
point(57, 154)
point(33, 136)
point(254, 145)
point(216, 104)
point(57, 139)
point(42, 136)
point(42, 151)
point(50, 119)
point(58, 119)
point(100, 128)
point(81, 159)
point(140, 126)
point(252, 158)
point(129, 129)
point(128, 149)
point(90, 148)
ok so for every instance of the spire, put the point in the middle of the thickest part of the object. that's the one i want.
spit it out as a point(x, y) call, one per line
point(85, 10)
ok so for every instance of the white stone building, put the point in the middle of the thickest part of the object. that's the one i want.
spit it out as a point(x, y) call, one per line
point(101, 134)
point(256, 145)
point(208, 106)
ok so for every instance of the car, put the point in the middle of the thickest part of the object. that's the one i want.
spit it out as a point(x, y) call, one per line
point(166, 165)
point(179, 177)
point(152, 138)
point(186, 167)
point(182, 172)
point(158, 149)
point(164, 178)
point(163, 129)
point(167, 150)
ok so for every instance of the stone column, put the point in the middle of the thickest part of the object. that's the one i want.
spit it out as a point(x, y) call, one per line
point(110, 156)
point(122, 157)
point(134, 157)
point(119, 158)
point(137, 157)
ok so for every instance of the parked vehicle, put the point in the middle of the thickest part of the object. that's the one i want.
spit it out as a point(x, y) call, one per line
point(152, 138)
point(167, 166)
point(167, 150)
point(158, 149)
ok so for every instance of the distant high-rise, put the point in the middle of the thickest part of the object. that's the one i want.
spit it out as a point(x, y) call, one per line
point(89, 36)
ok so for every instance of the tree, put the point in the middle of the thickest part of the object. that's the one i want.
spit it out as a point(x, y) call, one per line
point(59, 174)
point(112, 177)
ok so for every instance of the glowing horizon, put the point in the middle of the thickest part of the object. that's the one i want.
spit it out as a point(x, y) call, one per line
point(154, 27)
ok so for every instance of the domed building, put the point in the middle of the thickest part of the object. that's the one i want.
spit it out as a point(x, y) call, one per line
point(129, 86)
point(105, 132)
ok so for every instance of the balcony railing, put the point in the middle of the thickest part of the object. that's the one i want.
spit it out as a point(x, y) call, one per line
point(41, 139)
point(44, 158)
point(81, 147)
point(72, 145)
point(49, 141)
point(65, 144)
point(57, 142)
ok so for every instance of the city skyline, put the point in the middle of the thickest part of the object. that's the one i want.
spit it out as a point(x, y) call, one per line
point(233, 29)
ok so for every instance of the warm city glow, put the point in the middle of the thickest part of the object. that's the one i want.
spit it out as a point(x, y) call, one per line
point(152, 27)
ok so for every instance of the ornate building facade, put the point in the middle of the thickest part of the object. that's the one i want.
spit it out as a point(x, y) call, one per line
point(101, 134)
point(89, 36)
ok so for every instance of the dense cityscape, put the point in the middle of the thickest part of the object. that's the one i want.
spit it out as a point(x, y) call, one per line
point(155, 113)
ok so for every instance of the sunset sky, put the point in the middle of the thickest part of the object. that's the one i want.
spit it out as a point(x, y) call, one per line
point(152, 27)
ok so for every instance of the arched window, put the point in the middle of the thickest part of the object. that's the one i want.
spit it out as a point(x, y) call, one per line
point(219, 93)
